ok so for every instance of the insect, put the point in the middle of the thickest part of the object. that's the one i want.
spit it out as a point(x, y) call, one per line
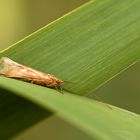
point(12, 69)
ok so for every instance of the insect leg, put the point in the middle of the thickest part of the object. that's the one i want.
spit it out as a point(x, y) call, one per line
point(59, 89)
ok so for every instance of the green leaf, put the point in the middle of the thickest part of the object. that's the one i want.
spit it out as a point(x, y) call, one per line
point(87, 47)
point(90, 116)
point(17, 114)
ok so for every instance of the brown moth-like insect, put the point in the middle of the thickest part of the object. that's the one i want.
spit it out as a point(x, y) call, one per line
point(9, 68)
point(12, 69)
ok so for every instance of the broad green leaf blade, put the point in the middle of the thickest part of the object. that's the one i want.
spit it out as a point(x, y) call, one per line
point(87, 47)
point(90, 116)
point(16, 114)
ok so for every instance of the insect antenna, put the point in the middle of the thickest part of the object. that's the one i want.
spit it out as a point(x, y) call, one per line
point(100, 100)
point(69, 82)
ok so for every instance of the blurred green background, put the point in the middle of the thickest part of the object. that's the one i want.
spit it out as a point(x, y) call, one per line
point(19, 19)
